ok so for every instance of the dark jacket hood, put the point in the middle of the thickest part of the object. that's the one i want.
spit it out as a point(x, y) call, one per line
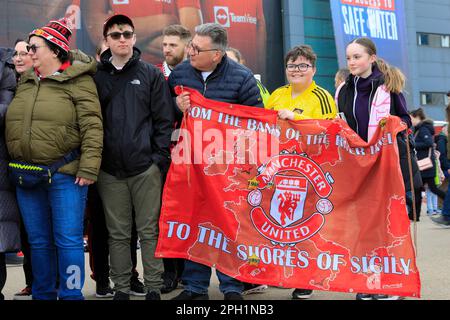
point(428, 123)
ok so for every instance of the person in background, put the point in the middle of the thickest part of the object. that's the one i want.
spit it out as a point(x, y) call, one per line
point(22, 63)
point(235, 54)
point(443, 220)
point(441, 141)
point(340, 77)
point(174, 47)
point(424, 143)
point(301, 99)
point(9, 211)
point(211, 73)
point(56, 105)
point(370, 75)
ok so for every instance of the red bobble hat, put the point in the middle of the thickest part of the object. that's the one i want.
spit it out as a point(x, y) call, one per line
point(57, 32)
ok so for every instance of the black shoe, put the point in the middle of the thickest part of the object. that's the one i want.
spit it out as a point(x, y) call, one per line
point(189, 295)
point(441, 221)
point(170, 282)
point(233, 296)
point(121, 296)
point(152, 295)
point(364, 296)
point(137, 288)
point(301, 294)
point(104, 291)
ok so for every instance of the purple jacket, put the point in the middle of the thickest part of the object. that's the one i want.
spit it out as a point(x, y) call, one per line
point(355, 100)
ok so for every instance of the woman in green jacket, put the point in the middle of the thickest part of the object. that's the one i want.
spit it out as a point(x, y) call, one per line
point(55, 111)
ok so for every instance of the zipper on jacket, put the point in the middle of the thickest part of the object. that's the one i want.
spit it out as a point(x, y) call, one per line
point(354, 103)
point(205, 83)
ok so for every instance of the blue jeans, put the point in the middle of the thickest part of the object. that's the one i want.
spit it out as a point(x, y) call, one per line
point(432, 202)
point(53, 217)
point(196, 278)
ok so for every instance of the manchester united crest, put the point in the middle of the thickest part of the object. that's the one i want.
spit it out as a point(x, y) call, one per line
point(290, 180)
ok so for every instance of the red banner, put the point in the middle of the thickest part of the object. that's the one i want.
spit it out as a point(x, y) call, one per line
point(299, 204)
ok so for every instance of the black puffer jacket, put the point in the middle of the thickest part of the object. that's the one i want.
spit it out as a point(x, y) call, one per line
point(423, 136)
point(138, 120)
point(9, 212)
point(441, 145)
point(230, 82)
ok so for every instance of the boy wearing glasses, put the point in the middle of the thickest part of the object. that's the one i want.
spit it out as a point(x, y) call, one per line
point(302, 98)
point(138, 121)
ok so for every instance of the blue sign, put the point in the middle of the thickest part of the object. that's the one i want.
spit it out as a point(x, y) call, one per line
point(383, 21)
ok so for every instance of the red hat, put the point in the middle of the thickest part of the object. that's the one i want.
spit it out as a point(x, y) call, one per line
point(57, 32)
point(116, 19)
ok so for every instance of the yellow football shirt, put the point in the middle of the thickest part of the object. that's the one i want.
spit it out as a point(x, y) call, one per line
point(314, 103)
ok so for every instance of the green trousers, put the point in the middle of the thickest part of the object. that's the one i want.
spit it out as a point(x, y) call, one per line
point(119, 196)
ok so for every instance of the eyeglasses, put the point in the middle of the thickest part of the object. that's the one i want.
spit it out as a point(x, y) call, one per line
point(196, 50)
point(303, 67)
point(33, 48)
point(116, 35)
point(21, 54)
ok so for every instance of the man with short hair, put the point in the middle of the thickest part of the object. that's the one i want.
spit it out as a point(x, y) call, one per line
point(138, 121)
point(210, 72)
point(174, 46)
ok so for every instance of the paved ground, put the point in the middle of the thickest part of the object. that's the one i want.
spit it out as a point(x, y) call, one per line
point(433, 261)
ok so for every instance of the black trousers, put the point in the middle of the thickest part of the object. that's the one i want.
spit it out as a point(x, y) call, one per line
point(98, 239)
point(418, 201)
point(173, 268)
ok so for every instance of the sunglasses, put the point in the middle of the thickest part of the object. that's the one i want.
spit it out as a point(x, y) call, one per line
point(116, 35)
point(33, 48)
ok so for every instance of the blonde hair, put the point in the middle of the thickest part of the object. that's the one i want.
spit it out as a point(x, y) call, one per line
point(394, 79)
